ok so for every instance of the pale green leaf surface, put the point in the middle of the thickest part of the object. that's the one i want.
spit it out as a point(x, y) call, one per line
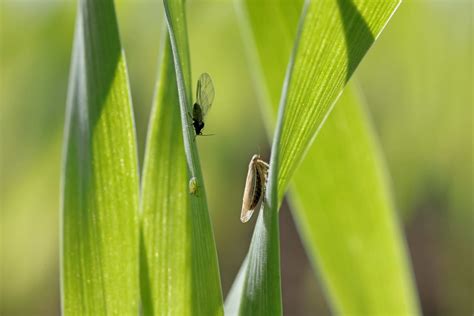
point(234, 297)
point(260, 290)
point(346, 217)
point(165, 243)
point(334, 37)
point(206, 287)
point(100, 176)
point(316, 82)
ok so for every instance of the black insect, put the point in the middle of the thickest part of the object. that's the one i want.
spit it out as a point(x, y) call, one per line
point(204, 98)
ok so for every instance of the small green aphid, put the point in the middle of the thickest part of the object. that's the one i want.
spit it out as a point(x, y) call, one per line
point(255, 185)
point(204, 99)
point(193, 186)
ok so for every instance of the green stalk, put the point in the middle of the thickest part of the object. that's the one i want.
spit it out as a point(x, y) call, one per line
point(207, 293)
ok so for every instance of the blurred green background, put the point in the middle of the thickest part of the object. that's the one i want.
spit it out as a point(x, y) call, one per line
point(418, 83)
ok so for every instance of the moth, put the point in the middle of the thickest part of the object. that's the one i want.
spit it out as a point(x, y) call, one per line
point(204, 99)
point(255, 185)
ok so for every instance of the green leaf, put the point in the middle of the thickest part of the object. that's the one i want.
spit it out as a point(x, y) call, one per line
point(345, 215)
point(100, 175)
point(205, 287)
point(260, 290)
point(334, 36)
point(332, 39)
point(165, 243)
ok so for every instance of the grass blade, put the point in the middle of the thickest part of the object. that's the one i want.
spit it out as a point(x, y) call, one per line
point(165, 214)
point(334, 37)
point(206, 289)
point(346, 218)
point(100, 175)
point(260, 286)
point(320, 67)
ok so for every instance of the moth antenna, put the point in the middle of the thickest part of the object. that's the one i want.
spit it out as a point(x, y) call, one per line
point(259, 151)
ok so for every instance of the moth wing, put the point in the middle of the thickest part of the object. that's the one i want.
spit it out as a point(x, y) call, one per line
point(205, 93)
point(262, 167)
point(249, 192)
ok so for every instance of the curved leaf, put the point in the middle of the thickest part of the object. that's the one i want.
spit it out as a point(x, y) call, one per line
point(334, 37)
point(345, 215)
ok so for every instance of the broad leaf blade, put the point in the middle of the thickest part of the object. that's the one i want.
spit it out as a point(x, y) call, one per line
point(100, 176)
point(345, 215)
point(165, 214)
point(205, 287)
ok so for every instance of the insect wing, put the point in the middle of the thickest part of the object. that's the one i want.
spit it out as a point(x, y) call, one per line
point(263, 168)
point(205, 93)
point(249, 193)
point(254, 187)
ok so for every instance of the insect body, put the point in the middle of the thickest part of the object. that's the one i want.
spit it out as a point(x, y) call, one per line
point(193, 186)
point(255, 185)
point(204, 99)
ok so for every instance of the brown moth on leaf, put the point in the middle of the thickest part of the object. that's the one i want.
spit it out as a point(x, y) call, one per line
point(254, 187)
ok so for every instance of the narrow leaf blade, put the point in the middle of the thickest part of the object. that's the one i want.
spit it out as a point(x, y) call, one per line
point(100, 175)
point(261, 285)
point(205, 287)
point(165, 243)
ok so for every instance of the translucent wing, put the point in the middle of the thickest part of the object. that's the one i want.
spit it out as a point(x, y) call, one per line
point(205, 93)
